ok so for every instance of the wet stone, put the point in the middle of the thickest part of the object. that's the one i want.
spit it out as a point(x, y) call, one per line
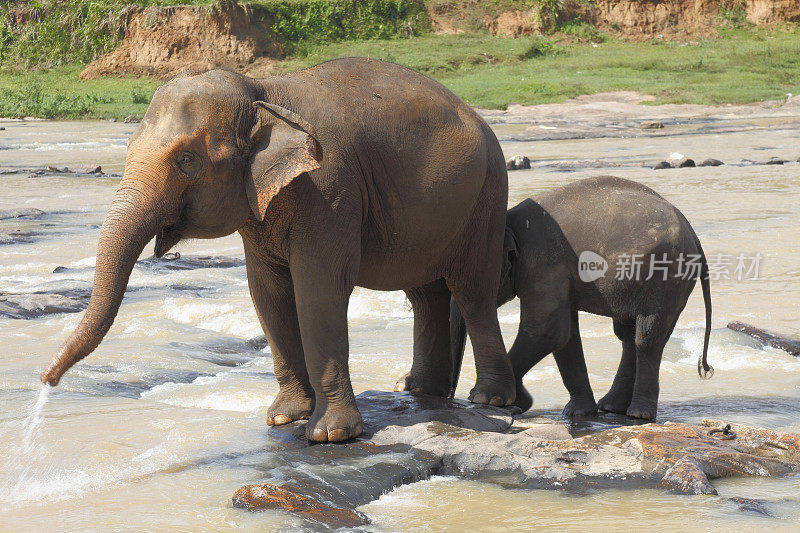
point(41, 303)
point(178, 262)
point(651, 125)
point(18, 237)
point(792, 346)
point(518, 162)
point(28, 213)
point(711, 163)
point(410, 436)
point(662, 165)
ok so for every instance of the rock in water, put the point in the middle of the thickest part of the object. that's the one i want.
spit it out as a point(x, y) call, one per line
point(661, 165)
point(408, 437)
point(651, 125)
point(770, 339)
point(711, 163)
point(518, 162)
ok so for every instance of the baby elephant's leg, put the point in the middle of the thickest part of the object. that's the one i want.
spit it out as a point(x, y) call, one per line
point(619, 396)
point(541, 331)
point(572, 366)
point(652, 334)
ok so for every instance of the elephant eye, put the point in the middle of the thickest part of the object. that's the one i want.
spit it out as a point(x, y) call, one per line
point(188, 163)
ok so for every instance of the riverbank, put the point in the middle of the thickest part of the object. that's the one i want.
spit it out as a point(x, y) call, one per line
point(487, 71)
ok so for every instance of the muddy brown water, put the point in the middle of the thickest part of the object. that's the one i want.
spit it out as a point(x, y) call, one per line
point(158, 427)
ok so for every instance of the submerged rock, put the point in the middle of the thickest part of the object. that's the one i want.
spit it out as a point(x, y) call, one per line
point(175, 261)
point(18, 237)
point(36, 304)
point(26, 212)
point(409, 436)
point(662, 165)
point(711, 163)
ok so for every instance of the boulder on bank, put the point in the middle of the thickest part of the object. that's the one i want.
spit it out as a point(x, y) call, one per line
point(518, 162)
point(408, 437)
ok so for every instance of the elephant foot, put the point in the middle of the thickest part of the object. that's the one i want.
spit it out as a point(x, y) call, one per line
point(493, 392)
point(427, 385)
point(615, 402)
point(334, 423)
point(645, 409)
point(289, 407)
point(580, 408)
point(523, 399)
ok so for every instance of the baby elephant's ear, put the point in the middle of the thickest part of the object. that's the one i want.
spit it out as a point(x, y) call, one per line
point(509, 244)
point(282, 147)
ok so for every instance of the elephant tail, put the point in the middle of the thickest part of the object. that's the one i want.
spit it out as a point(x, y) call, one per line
point(703, 368)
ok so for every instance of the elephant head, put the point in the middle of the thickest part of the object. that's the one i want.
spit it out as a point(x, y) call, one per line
point(211, 152)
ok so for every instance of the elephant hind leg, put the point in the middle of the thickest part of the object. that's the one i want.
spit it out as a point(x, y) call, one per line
point(432, 368)
point(652, 334)
point(619, 396)
point(572, 366)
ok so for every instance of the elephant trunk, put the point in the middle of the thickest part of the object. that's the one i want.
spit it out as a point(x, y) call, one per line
point(131, 221)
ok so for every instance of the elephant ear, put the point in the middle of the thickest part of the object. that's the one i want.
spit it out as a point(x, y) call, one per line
point(510, 248)
point(283, 146)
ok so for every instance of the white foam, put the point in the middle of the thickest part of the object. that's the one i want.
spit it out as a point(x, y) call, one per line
point(237, 321)
point(223, 392)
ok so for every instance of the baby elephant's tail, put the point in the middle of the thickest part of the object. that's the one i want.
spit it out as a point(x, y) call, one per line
point(703, 368)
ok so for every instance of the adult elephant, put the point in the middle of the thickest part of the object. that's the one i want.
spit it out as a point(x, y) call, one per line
point(352, 172)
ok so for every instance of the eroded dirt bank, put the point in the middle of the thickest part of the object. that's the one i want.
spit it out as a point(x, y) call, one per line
point(159, 41)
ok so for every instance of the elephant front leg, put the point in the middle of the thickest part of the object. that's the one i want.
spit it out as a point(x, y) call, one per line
point(322, 313)
point(273, 297)
point(432, 369)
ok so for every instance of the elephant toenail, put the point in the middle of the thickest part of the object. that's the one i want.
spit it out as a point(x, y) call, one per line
point(281, 419)
point(319, 435)
point(497, 401)
point(337, 435)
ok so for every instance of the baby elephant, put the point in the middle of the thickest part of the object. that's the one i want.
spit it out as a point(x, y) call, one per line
point(606, 246)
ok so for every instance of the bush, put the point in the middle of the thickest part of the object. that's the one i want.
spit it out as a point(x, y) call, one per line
point(32, 101)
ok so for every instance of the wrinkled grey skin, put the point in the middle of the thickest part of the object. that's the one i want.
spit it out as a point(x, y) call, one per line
point(614, 218)
point(354, 172)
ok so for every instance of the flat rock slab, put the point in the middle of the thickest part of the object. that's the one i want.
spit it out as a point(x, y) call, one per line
point(408, 437)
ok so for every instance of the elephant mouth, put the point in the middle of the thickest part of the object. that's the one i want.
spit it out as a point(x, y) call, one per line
point(168, 237)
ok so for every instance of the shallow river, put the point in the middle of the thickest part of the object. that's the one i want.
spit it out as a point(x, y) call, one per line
point(166, 419)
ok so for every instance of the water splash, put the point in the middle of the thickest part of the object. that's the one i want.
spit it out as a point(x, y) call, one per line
point(30, 429)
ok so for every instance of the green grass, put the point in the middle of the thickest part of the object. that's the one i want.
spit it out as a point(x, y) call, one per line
point(492, 71)
point(741, 66)
point(58, 93)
